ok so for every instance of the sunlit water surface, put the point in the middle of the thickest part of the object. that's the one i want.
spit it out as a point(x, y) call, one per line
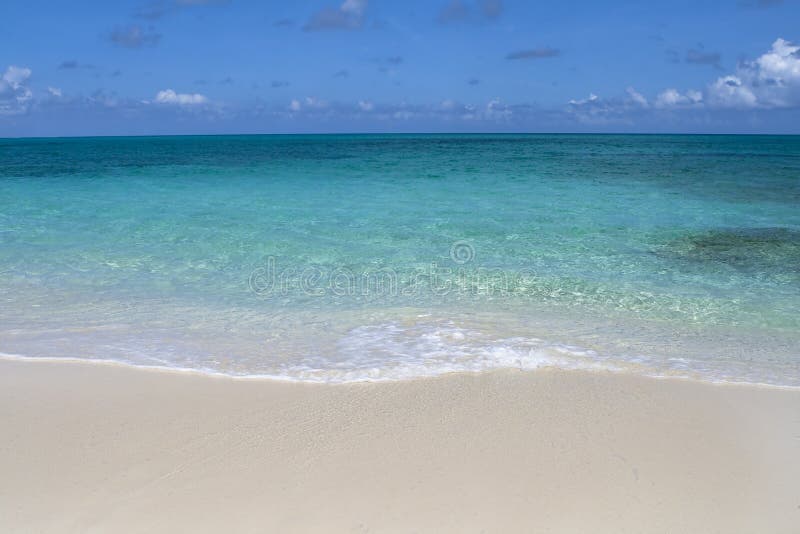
point(342, 258)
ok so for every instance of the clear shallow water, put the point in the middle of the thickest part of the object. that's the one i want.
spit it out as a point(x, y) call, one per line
point(338, 258)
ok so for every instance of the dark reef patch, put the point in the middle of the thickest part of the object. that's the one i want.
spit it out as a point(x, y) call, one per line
point(767, 251)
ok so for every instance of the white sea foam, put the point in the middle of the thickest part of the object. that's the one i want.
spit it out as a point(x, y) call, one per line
point(402, 350)
point(393, 351)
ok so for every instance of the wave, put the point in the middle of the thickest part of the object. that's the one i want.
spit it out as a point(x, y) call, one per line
point(394, 350)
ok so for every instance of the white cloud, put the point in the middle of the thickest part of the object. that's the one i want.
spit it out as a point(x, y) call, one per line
point(16, 76)
point(637, 97)
point(771, 81)
point(308, 103)
point(782, 62)
point(447, 110)
point(597, 110)
point(731, 91)
point(592, 98)
point(54, 91)
point(14, 91)
point(672, 98)
point(168, 96)
point(495, 109)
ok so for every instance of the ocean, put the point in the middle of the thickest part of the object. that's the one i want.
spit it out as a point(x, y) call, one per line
point(339, 258)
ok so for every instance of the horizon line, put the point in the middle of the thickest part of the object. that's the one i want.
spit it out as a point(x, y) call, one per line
point(332, 134)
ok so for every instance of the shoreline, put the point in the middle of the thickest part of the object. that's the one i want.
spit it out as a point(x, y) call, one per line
point(124, 449)
point(281, 379)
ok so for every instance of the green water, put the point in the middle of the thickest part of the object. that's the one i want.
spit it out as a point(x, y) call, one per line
point(338, 258)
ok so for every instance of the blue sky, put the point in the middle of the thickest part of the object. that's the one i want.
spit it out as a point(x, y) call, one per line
point(215, 66)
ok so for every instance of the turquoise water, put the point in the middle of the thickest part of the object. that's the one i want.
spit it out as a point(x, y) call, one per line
point(339, 258)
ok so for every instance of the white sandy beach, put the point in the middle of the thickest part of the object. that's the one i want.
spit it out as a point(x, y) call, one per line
point(103, 448)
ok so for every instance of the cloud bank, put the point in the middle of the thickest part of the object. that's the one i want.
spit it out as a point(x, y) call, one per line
point(767, 86)
point(15, 95)
point(168, 96)
point(771, 81)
